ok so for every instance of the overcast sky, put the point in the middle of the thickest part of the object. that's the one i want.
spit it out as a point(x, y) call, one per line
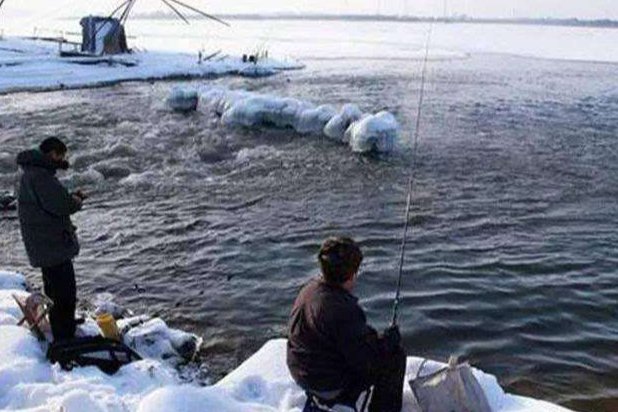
point(586, 9)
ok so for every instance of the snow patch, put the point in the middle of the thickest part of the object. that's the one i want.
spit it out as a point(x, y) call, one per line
point(12, 280)
point(190, 399)
point(264, 377)
point(22, 359)
point(7, 304)
point(37, 66)
point(154, 339)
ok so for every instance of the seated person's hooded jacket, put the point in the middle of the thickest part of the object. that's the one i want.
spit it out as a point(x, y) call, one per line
point(330, 345)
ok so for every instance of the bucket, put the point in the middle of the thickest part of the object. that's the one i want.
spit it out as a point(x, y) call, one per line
point(108, 326)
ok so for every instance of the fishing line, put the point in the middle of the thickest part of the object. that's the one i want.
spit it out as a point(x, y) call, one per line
point(412, 180)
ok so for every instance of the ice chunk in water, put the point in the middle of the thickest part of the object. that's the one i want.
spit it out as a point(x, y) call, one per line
point(374, 133)
point(181, 100)
point(368, 132)
point(313, 120)
point(260, 110)
point(338, 124)
point(221, 99)
point(288, 112)
point(154, 339)
point(253, 111)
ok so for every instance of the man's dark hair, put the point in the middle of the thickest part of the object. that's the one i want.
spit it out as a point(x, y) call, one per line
point(340, 258)
point(53, 144)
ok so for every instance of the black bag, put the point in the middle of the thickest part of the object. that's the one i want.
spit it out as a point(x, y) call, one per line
point(106, 354)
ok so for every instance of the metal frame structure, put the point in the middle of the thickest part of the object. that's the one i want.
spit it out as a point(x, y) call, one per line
point(126, 7)
point(175, 5)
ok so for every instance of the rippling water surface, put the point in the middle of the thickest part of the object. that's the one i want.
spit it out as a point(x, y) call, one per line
point(512, 258)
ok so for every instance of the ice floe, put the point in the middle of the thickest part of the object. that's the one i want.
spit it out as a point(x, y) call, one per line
point(364, 132)
point(27, 65)
point(338, 124)
point(373, 132)
point(261, 384)
point(182, 100)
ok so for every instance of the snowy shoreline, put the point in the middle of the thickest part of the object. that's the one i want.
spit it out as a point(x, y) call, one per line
point(35, 66)
point(261, 383)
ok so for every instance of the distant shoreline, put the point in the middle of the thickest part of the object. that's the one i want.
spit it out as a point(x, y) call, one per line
point(602, 23)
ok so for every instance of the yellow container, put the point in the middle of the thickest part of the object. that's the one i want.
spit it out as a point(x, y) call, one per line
point(108, 326)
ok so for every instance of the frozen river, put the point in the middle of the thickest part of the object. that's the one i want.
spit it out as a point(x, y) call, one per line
point(512, 260)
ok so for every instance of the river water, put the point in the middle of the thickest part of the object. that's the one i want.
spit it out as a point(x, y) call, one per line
point(512, 257)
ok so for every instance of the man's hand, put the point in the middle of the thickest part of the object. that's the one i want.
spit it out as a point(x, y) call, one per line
point(77, 199)
point(80, 194)
point(392, 338)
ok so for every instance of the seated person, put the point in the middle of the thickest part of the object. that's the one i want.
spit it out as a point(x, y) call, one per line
point(332, 353)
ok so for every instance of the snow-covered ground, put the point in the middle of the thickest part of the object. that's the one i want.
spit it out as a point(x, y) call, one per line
point(262, 383)
point(27, 65)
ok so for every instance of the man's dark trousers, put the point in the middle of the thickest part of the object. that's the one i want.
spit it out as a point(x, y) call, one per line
point(387, 382)
point(59, 286)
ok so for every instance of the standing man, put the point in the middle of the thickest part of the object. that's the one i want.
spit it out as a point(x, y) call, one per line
point(45, 208)
point(332, 353)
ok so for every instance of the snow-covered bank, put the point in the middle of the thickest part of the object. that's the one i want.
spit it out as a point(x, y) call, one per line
point(27, 65)
point(364, 132)
point(29, 383)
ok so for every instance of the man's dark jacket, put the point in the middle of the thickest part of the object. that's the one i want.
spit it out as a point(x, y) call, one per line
point(330, 345)
point(44, 208)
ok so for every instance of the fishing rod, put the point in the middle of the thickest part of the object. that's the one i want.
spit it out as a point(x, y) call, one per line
point(412, 180)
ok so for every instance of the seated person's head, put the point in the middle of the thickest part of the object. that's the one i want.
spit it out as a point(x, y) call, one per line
point(340, 258)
